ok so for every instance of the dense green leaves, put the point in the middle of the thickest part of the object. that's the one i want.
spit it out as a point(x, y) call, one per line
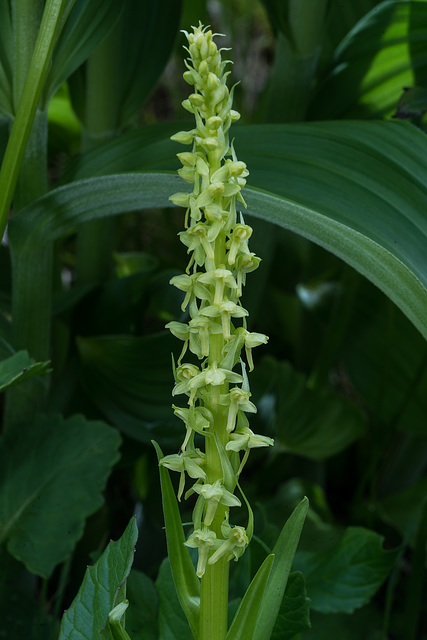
point(101, 590)
point(358, 189)
point(18, 368)
point(346, 577)
point(142, 615)
point(52, 472)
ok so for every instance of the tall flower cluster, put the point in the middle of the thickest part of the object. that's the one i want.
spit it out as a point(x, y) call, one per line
point(216, 237)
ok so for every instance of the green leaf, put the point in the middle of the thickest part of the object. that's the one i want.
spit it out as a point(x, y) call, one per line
point(50, 28)
point(403, 510)
point(142, 615)
point(367, 623)
point(186, 582)
point(313, 423)
point(20, 367)
point(284, 552)
point(142, 59)
point(6, 49)
point(357, 189)
point(294, 613)
point(51, 477)
point(87, 25)
point(173, 624)
point(101, 590)
point(383, 53)
point(130, 380)
point(346, 577)
point(243, 625)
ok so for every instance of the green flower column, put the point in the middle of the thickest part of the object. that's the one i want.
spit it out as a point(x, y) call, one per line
point(218, 393)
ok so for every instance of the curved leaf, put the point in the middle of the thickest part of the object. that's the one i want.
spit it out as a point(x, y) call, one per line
point(20, 367)
point(243, 625)
point(86, 26)
point(283, 553)
point(184, 574)
point(383, 53)
point(130, 380)
point(6, 49)
point(358, 189)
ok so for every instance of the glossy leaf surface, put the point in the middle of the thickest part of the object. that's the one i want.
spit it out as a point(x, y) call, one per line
point(383, 53)
point(52, 474)
point(357, 189)
point(101, 590)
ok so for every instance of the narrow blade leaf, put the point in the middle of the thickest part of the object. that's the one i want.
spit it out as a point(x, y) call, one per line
point(184, 575)
point(243, 625)
point(284, 552)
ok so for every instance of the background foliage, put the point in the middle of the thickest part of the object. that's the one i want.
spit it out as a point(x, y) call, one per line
point(337, 191)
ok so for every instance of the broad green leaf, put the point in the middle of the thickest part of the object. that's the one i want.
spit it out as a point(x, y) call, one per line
point(383, 53)
point(184, 575)
point(101, 590)
point(310, 422)
point(173, 624)
point(142, 615)
point(284, 552)
point(52, 473)
point(130, 379)
point(294, 612)
point(143, 55)
point(358, 189)
point(86, 26)
point(346, 577)
point(18, 368)
point(243, 624)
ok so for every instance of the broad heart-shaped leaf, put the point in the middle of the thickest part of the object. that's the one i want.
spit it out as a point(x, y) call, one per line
point(294, 613)
point(284, 552)
point(383, 53)
point(103, 587)
point(86, 26)
point(184, 574)
point(312, 423)
point(18, 368)
point(130, 379)
point(51, 478)
point(243, 625)
point(358, 189)
point(346, 577)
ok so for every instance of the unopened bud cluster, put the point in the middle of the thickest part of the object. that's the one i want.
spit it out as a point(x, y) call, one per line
point(216, 238)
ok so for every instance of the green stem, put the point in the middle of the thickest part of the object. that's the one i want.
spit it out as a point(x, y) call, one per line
point(95, 240)
point(31, 92)
point(26, 158)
